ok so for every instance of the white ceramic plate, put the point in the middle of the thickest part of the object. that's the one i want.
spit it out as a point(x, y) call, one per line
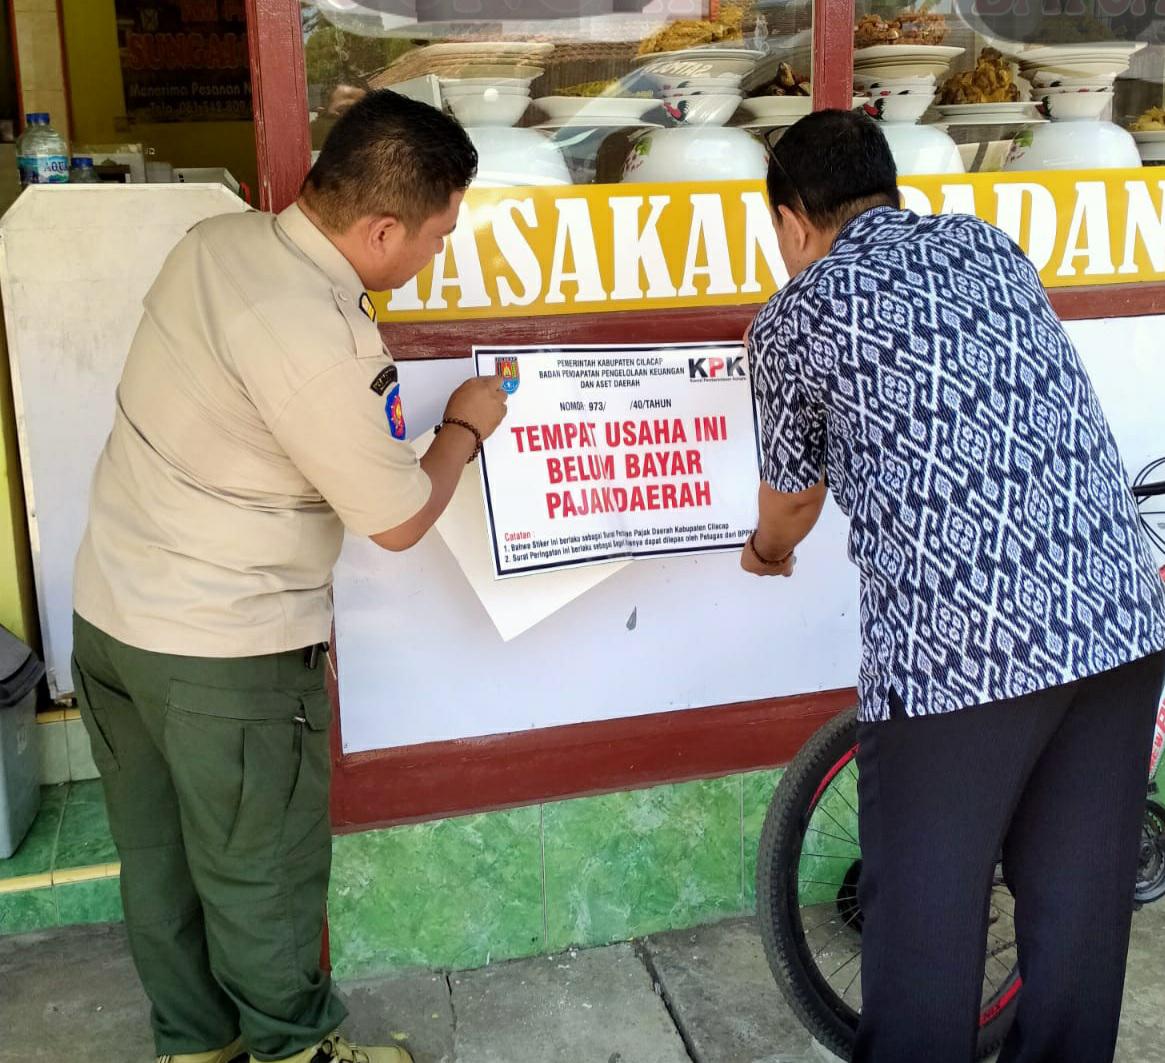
point(988, 112)
point(976, 120)
point(487, 49)
point(704, 53)
point(1040, 54)
point(485, 71)
point(772, 118)
point(583, 121)
point(1149, 136)
point(757, 108)
point(591, 108)
point(905, 67)
point(700, 62)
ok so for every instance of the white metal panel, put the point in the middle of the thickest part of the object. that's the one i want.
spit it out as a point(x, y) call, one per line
point(420, 661)
point(75, 263)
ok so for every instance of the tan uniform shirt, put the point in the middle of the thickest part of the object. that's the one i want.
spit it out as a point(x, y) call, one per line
point(257, 415)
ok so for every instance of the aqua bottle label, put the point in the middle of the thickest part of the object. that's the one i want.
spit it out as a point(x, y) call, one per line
point(43, 169)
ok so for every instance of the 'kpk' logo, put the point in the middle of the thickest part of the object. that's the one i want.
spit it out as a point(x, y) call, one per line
point(714, 368)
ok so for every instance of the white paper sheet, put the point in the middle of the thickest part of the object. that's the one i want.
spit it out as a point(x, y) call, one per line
point(517, 604)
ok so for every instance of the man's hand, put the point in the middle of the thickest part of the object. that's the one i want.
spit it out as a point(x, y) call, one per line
point(480, 401)
point(751, 563)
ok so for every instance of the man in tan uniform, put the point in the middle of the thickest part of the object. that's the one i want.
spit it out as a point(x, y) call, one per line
point(258, 416)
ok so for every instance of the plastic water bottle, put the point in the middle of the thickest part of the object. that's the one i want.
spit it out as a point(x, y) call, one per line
point(42, 154)
point(82, 172)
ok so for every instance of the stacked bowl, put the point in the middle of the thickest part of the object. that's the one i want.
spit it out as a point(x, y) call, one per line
point(901, 81)
point(1075, 81)
point(897, 99)
point(701, 101)
point(487, 101)
point(1073, 84)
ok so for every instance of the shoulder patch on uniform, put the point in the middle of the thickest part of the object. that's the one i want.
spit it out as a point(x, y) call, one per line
point(384, 379)
point(395, 412)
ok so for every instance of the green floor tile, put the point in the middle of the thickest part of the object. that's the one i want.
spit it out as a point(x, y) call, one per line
point(84, 837)
point(634, 863)
point(98, 901)
point(35, 854)
point(455, 893)
point(758, 788)
point(27, 910)
point(87, 792)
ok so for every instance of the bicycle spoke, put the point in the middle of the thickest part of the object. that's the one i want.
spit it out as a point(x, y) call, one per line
point(840, 826)
point(835, 837)
point(833, 914)
point(847, 804)
point(855, 956)
point(849, 984)
point(846, 924)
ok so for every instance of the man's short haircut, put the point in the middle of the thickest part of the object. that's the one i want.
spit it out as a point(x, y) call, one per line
point(388, 154)
point(830, 166)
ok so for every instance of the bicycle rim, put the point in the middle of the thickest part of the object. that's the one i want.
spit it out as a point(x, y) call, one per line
point(824, 920)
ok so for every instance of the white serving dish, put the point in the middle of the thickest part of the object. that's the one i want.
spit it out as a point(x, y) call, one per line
point(589, 108)
point(704, 153)
point(901, 108)
point(516, 157)
point(966, 114)
point(496, 71)
point(701, 110)
point(874, 84)
point(922, 149)
point(488, 108)
point(724, 83)
point(1076, 106)
point(700, 62)
point(1039, 92)
point(1151, 144)
point(904, 60)
point(1099, 59)
point(586, 122)
point(1043, 79)
point(474, 49)
point(679, 94)
point(521, 84)
point(1083, 145)
point(762, 108)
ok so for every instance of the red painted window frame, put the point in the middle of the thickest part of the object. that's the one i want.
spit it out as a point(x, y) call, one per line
point(412, 783)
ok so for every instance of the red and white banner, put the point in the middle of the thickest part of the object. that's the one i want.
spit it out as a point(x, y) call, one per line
point(617, 452)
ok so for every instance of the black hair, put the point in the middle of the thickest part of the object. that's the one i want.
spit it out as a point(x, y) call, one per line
point(388, 154)
point(831, 165)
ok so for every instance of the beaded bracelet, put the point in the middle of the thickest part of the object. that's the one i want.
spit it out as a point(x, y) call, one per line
point(469, 428)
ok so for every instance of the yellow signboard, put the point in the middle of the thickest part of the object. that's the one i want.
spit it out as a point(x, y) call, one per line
point(522, 252)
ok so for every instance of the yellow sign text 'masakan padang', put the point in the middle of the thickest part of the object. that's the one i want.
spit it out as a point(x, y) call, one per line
point(534, 251)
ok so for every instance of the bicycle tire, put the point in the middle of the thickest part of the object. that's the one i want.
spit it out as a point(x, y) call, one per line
point(828, 1018)
point(1151, 873)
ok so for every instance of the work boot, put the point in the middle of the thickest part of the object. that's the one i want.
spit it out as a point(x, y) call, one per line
point(218, 1055)
point(336, 1049)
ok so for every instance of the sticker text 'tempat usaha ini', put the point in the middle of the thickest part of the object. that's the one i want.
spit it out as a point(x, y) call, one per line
point(609, 453)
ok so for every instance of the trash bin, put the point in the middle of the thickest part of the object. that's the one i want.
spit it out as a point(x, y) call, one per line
point(20, 671)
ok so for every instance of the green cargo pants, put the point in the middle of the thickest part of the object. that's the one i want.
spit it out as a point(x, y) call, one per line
point(216, 774)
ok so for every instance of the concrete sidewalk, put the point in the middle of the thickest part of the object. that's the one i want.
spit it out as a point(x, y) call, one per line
point(702, 995)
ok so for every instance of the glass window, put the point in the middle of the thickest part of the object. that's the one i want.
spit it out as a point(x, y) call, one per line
point(1025, 88)
point(160, 90)
point(557, 92)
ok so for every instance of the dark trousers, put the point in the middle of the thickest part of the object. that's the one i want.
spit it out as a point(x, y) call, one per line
point(1056, 782)
point(216, 778)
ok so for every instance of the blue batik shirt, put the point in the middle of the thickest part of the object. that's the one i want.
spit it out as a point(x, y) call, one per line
point(920, 367)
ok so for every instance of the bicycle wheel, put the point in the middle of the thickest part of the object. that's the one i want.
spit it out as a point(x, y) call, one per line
point(1151, 864)
point(807, 902)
